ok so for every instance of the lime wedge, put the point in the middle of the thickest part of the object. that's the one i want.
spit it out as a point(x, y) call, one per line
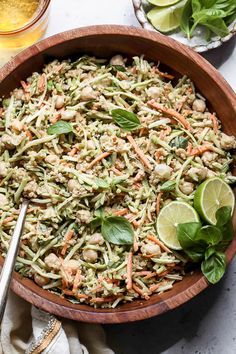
point(166, 19)
point(211, 195)
point(163, 2)
point(170, 216)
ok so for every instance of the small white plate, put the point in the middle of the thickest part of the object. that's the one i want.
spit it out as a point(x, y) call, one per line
point(197, 42)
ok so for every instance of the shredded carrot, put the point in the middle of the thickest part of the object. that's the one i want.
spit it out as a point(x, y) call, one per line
point(120, 212)
point(139, 152)
point(143, 131)
point(140, 292)
point(7, 220)
point(72, 152)
point(25, 86)
point(135, 246)
point(41, 83)
point(103, 299)
point(215, 123)
point(158, 202)
point(159, 243)
point(180, 118)
point(81, 296)
point(154, 287)
point(99, 158)
point(158, 155)
point(135, 223)
point(129, 271)
point(68, 292)
point(143, 272)
point(1, 111)
point(200, 150)
point(76, 280)
point(151, 275)
point(189, 148)
point(28, 133)
point(167, 76)
point(66, 245)
point(116, 171)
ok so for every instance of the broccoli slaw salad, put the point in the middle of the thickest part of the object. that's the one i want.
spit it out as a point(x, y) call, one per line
point(106, 151)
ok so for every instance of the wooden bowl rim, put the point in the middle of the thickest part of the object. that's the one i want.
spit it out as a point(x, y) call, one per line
point(49, 302)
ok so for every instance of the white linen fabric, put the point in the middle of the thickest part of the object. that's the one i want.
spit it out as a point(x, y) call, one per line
point(26, 329)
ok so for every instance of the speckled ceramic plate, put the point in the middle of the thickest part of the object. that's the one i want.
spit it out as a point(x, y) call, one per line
point(197, 42)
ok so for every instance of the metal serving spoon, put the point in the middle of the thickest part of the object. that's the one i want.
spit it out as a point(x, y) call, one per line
point(5, 277)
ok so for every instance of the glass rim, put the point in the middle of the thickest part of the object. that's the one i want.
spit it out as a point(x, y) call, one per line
point(29, 24)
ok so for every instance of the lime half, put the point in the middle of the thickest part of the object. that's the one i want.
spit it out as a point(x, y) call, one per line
point(170, 216)
point(166, 19)
point(163, 2)
point(211, 195)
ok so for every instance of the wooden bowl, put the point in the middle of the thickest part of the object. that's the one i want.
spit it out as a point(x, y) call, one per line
point(104, 41)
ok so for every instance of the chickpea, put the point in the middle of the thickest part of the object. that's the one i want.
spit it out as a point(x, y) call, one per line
point(72, 264)
point(117, 60)
point(151, 249)
point(154, 92)
point(88, 93)
point(60, 101)
point(3, 200)
point(52, 159)
point(90, 145)
point(73, 185)
point(3, 169)
point(199, 105)
point(52, 261)
point(68, 115)
point(90, 256)
point(96, 239)
point(17, 125)
point(41, 281)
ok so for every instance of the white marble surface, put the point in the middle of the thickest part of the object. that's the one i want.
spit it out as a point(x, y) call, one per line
point(207, 324)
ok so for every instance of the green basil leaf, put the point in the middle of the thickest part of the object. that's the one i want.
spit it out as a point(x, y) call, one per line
point(119, 68)
point(230, 18)
point(217, 26)
point(196, 254)
point(186, 234)
point(168, 186)
point(223, 215)
point(196, 5)
point(100, 213)
point(212, 235)
point(208, 14)
point(228, 232)
point(209, 252)
point(186, 18)
point(179, 142)
point(60, 127)
point(126, 120)
point(117, 230)
point(214, 267)
point(96, 222)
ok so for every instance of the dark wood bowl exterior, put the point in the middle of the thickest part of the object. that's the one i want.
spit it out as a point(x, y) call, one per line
point(105, 41)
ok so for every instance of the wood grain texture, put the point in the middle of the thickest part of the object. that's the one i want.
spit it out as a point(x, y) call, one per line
point(104, 41)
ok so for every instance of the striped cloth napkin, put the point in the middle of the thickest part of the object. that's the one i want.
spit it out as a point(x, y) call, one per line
point(26, 329)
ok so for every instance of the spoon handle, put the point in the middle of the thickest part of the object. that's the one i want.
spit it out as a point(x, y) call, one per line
point(8, 267)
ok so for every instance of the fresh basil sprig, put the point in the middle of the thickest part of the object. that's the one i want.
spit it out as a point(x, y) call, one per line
point(179, 142)
point(60, 127)
point(115, 229)
point(207, 243)
point(214, 15)
point(128, 121)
